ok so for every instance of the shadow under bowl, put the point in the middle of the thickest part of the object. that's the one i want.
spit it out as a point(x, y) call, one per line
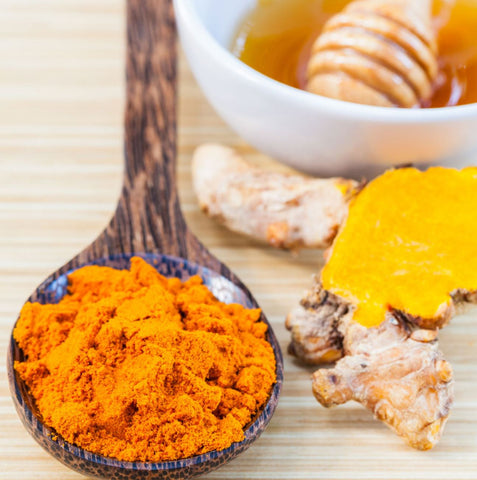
point(88, 463)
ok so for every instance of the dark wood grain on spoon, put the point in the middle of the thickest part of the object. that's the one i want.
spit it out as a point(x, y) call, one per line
point(148, 217)
point(147, 220)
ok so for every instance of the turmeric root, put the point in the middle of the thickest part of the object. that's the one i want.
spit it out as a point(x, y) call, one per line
point(395, 370)
point(398, 374)
point(315, 326)
point(401, 265)
point(286, 211)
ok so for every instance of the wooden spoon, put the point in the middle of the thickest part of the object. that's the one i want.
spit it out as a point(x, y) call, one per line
point(148, 221)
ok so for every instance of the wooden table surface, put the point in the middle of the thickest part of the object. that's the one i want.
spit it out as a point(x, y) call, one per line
point(61, 109)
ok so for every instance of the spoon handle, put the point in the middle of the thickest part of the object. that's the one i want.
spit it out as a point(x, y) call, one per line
point(148, 217)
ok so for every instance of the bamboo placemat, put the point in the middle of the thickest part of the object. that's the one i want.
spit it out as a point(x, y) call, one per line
point(61, 111)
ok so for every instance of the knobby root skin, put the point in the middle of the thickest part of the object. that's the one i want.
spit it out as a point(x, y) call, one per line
point(283, 210)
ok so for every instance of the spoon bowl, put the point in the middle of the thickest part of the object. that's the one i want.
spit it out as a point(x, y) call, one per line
point(52, 290)
point(148, 222)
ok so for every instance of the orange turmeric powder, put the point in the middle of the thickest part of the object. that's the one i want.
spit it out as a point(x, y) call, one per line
point(135, 366)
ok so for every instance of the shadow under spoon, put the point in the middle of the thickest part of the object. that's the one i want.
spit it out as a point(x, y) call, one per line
point(147, 222)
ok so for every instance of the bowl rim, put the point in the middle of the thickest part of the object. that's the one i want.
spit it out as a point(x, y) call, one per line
point(187, 15)
point(251, 432)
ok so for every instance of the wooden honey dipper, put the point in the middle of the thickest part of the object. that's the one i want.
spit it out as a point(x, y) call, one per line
point(376, 52)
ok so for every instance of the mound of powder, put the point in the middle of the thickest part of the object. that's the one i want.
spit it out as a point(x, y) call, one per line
point(135, 366)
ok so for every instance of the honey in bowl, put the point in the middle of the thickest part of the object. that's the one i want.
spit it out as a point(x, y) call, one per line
point(277, 36)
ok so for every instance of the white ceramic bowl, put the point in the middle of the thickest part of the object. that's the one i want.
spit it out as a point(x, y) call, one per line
point(309, 132)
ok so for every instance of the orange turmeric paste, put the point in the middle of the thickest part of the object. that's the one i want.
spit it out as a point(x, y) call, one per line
point(139, 367)
point(409, 242)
